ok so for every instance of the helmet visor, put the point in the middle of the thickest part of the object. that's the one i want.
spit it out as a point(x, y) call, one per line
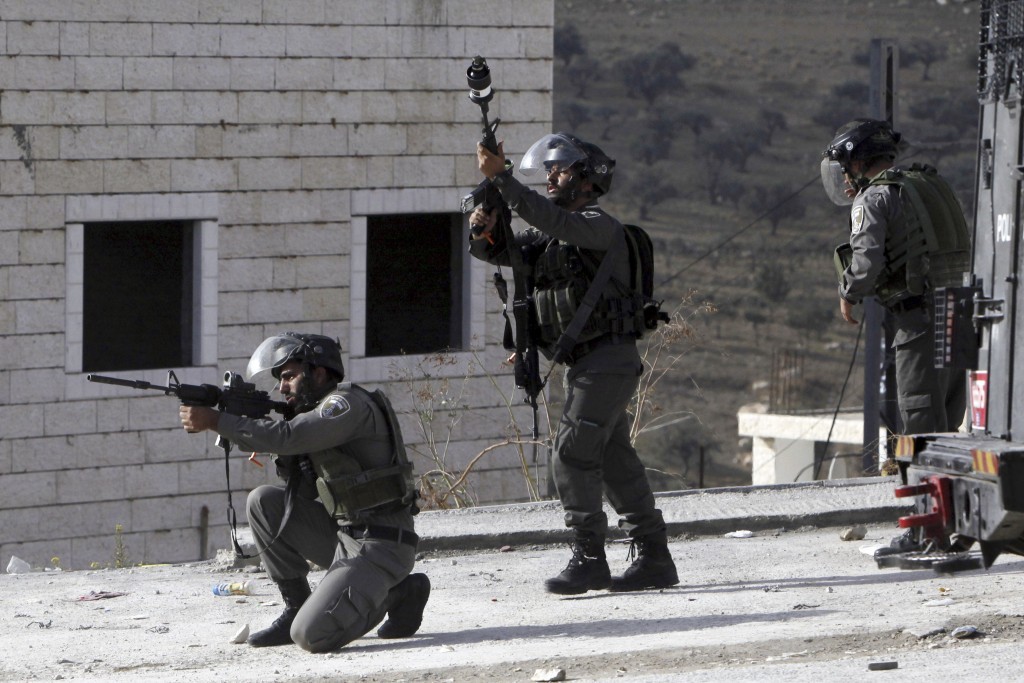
point(550, 151)
point(834, 180)
point(268, 357)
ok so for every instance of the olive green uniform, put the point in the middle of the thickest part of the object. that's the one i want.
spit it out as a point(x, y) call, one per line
point(347, 430)
point(930, 399)
point(592, 450)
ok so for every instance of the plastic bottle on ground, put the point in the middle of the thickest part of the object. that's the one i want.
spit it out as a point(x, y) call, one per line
point(232, 588)
point(18, 566)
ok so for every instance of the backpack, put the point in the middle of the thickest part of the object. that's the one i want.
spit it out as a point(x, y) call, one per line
point(641, 273)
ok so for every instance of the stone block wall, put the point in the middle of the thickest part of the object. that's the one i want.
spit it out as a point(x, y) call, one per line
point(277, 125)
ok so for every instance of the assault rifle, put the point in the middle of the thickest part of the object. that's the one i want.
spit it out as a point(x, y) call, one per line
point(236, 397)
point(527, 366)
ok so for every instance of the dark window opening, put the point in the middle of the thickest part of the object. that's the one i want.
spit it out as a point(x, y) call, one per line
point(413, 283)
point(138, 295)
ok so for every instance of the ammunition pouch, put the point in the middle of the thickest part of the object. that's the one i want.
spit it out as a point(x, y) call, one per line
point(352, 495)
point(563, 275)
point(356, 496)
point(623, 316)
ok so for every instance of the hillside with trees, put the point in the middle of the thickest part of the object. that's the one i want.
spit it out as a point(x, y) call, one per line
point(717, 114)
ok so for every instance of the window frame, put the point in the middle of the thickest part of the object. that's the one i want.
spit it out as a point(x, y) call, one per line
point(475, 283)
point(202, 211)
point(392, 251)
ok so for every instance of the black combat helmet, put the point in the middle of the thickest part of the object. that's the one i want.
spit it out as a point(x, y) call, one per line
point(858, 140)
point(863, 139)
point(312, 349)
point(568, 150)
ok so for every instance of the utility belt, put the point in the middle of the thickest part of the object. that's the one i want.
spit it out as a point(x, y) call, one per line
point(909, 304)
point(382, 533)
point(583, 348)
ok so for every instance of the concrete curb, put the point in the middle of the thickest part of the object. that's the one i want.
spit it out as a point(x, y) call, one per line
point(695, 512)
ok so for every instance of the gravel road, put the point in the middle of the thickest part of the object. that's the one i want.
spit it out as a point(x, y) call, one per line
point(781, 605)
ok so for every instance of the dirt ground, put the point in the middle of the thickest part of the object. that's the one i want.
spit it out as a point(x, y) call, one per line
point(782, 605)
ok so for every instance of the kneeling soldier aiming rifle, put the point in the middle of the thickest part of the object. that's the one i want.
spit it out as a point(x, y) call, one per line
point(348, 502)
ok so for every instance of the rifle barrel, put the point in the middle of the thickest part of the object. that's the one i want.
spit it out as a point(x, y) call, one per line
point(133, 383)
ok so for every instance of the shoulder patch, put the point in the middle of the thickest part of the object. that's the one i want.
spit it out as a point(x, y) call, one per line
point(591, 214)
point(857, 218)
point(334, 406)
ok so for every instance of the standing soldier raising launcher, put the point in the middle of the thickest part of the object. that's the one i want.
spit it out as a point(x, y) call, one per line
point(569, 238)
point(344, 447)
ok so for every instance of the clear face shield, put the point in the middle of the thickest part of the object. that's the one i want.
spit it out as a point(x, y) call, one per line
point(833, 178)
point(551, 150)
point(268, 357)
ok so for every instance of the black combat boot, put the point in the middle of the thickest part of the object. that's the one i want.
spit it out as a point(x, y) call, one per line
point(907, 542)
point(406, 602)
point(652, 568)
point(586, 571)
point(294, 592)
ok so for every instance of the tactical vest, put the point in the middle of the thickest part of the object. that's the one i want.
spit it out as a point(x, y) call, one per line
point(352, 494)
point(562, 274)
point(927, 246)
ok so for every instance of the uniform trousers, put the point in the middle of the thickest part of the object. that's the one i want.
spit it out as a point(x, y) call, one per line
point(930, 399)
point(352, 597)
point(593, 456)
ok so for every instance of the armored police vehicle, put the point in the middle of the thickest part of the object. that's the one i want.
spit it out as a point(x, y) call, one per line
point(968, 488)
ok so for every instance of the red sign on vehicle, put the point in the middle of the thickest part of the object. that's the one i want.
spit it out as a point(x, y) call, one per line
point(979, 398)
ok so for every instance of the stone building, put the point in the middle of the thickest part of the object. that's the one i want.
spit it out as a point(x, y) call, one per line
point(179, 180)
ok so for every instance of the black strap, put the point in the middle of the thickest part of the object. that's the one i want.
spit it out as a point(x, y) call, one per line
point(527, 371)
point(567, 340)
point(232, 521)
point(386, 533)
point(524, 342)
point(507, 340)
point(291, 491)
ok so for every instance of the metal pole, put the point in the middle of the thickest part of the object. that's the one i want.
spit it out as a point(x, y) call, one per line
point(884, 69)
point(700, 476)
